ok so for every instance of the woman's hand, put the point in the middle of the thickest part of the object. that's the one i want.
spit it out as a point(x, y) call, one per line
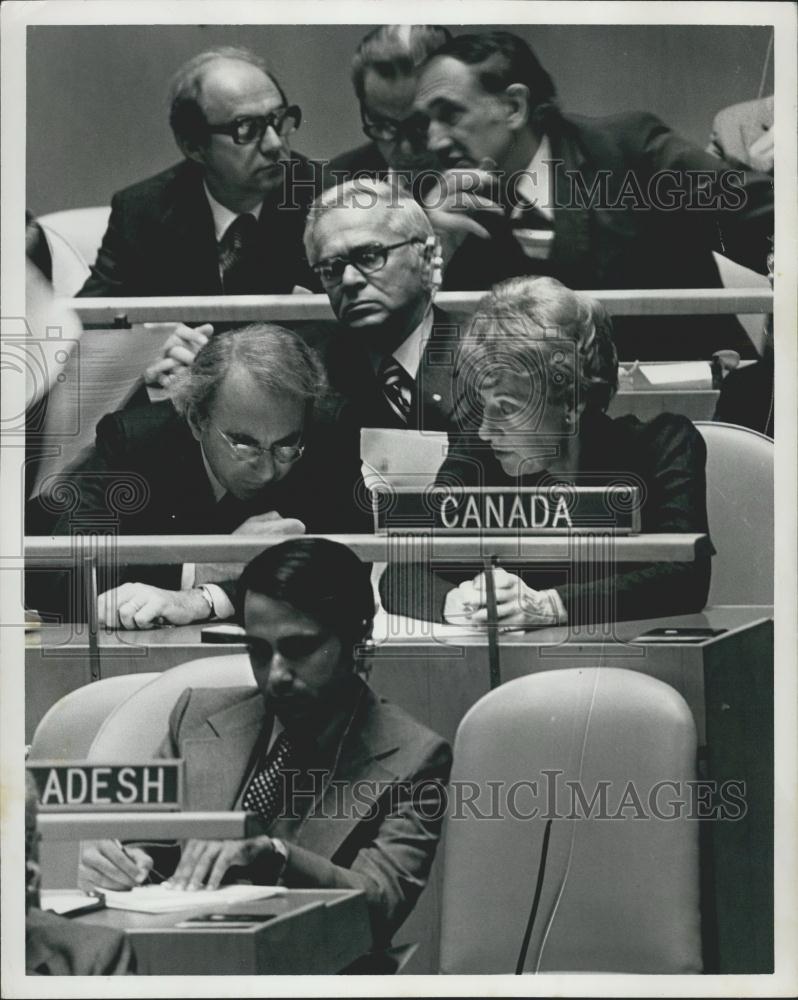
point(516, 603)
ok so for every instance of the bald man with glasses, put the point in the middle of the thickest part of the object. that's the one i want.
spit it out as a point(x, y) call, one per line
point(229, 218)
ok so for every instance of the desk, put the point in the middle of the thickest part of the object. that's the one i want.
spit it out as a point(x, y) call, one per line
point(313, 932)
point(727, 681)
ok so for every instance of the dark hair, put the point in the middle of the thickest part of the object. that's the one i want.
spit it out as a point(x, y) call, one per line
point(395, 50)
point(321, 578)
point(186, 116)
point(504, 59)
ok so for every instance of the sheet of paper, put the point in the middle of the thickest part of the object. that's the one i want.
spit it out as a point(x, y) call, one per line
point(697, 373)
point(62, 902)
point(157, 899)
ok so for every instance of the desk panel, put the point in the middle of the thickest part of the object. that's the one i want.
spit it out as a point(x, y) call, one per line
point(312, 932)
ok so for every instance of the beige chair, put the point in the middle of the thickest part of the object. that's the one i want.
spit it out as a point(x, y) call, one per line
point(66, 732)
point(608, 895)
point(136, 728)
point(740, 509)
point(74, 237)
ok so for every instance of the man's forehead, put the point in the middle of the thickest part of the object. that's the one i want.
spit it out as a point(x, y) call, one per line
point(388, 98)
point(242, 402)
point(447, 79)
point(233, 86)
point(350, 226)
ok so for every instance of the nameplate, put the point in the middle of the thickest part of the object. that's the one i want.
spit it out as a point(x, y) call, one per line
point(75, 786)
point(483, 510)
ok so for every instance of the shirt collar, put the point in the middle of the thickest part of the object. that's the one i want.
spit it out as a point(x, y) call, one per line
point(223, 217)
point(535, 183)
point(410, 351)
point(216, 487)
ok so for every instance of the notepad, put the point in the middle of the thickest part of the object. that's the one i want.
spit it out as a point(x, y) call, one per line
point(66, 903)
point(157, 899)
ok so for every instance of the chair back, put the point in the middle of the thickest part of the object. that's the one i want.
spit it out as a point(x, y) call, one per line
point(616, 894)
point(65, 732)
point(74, 237)
point(740, 509)
point(137, 727)
point(68, 727)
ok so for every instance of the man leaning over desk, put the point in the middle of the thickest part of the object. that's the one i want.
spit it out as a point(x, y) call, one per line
point(349, 788)
point(247, 444)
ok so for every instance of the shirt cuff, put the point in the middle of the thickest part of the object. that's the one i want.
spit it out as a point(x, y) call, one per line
point(222, 605)
point(557, 606)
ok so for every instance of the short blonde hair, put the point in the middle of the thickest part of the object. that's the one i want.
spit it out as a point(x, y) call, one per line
point(522, 325)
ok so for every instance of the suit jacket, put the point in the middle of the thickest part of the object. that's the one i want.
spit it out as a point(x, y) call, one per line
point(363, 161)
point(145, 475)
point(352, 375)
point(665, 457)
point(597, 245)
point(161, 240)
point(736, 128)
point(746, 397)
point(56, 947)
point(361, 830)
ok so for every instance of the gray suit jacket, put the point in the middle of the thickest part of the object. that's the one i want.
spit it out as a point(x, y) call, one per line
point(369, 829)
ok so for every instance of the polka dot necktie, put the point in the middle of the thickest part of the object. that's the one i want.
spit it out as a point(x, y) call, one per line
point(266, 790)
point(397, 387)
point(235, 255)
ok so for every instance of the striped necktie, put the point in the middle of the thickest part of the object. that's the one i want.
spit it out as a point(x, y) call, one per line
point(397, 387)
point(236, 252)
point(266, 793)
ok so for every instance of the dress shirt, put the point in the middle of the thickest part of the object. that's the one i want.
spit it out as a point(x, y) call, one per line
point(536, 184)
point(223, 606)
point(408, 353)
point(223, 217)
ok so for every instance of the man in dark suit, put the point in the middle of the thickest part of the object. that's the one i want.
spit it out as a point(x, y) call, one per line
point(349, 787)
point(244, 446)
point(379, 262)
point(618, 202)
point(229, 218)
point(384, 70)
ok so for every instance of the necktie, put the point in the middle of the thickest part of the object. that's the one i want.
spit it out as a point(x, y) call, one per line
point(236, 253)
point(397, 387)
point(266, 791)
point(533, 231)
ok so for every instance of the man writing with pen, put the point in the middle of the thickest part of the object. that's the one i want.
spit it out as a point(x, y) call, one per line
point(347, 787)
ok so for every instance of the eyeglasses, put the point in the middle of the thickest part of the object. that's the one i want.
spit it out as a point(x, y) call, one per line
point(389, 129)
point(283, 454)
point(252, 128)
point(367, 259)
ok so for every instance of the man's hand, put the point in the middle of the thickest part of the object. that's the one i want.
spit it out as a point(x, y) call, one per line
point(138, 605)
point(105, 864)
point(516, 603)
point(204, 863)
point(179, 350)
point(271, 524)
point(452, 200)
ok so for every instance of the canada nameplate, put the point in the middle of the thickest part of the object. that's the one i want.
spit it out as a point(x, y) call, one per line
point(485, 510)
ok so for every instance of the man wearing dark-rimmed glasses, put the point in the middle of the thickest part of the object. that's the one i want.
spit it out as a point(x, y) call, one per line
point(229, 218)
point(384, 70)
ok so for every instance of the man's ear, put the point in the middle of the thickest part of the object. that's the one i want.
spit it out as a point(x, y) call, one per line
point(516, 97)
point(192, 151)
point(195, 425)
